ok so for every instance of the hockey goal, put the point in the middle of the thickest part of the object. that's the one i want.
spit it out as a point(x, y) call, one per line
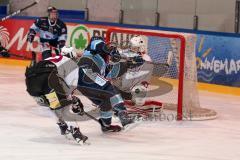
point(175, 87)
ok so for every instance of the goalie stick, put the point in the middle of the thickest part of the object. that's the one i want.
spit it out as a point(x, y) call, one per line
point(19, 11)
point(161, 68)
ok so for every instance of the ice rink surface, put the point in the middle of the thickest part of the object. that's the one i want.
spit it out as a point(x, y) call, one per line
point(29, 132)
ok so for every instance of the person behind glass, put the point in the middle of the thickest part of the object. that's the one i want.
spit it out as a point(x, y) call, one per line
point(52, 32)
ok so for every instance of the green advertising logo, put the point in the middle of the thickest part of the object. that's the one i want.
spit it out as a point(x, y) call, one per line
point(80, 37)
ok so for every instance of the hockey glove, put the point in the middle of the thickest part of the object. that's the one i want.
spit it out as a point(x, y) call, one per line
point(77, 106)
point(135, 62)
point(61, 44)
point(115, 56)
point(5, 54)
point(31, 36)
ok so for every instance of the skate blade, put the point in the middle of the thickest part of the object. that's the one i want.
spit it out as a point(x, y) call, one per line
point(87, 143)
point(81, 143)
point(131, 126)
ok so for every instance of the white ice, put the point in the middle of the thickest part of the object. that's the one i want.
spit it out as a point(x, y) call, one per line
point(29, 132)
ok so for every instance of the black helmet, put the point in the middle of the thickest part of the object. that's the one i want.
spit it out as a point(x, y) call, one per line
point(98, 47)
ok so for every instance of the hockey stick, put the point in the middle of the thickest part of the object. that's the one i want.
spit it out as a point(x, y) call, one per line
point(92, 117)
point(34, 58)
point(112, 47)
point(19, 56)
point(15, 13)
point(161, 68)
point(19, 11)
point(148, 62)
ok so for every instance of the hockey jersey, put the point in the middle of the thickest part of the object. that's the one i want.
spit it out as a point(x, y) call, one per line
point(52, 81)
point(49, 32)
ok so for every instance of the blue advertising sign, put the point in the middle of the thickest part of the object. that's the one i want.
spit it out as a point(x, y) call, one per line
point(218, 60)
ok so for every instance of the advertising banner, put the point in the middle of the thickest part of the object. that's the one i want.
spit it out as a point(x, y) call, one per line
point(218, 57)
point(13, 36)
point(218, 60)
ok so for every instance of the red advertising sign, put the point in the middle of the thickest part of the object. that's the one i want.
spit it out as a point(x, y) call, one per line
point(13, 36)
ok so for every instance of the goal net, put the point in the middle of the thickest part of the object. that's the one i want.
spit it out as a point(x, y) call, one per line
point(175, 87)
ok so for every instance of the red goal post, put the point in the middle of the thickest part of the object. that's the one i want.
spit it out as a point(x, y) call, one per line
point(182, 49)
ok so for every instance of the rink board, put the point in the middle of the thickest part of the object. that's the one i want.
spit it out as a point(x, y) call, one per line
point(155, 80)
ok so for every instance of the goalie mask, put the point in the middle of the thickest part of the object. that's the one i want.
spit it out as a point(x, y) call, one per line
point(137, 44)
point(68, 52)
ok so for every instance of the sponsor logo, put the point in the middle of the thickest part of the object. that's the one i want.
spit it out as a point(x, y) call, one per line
point(80, 37)
point(208, 66)
point(18, 41)
point(227, 66)
point(4, 36)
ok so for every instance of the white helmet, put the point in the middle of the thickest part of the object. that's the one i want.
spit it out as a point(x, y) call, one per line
point(68, 52)
point(137, 44)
